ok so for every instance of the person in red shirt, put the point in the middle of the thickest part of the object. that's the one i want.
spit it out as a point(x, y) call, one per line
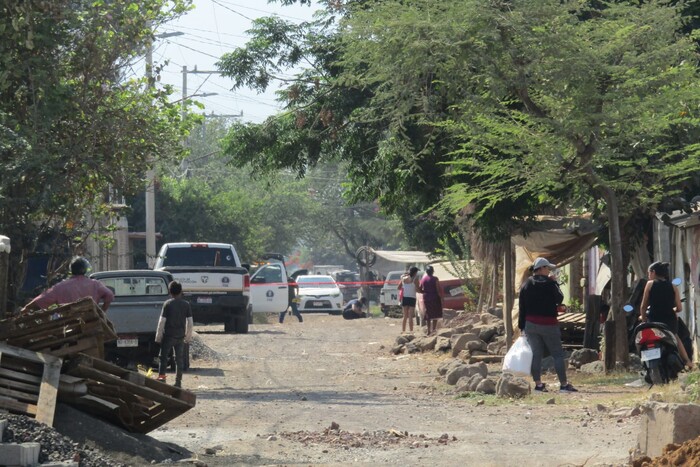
point(73, 289)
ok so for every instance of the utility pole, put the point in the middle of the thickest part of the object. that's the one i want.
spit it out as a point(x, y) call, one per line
point(151, 173)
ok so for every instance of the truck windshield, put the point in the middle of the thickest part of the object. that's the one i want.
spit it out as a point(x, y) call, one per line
point(199, 257)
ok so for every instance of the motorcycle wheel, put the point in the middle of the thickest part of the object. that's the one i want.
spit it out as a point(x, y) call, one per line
point(655, 375)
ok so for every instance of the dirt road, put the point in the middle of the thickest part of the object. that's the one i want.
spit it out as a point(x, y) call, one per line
point(274, 393)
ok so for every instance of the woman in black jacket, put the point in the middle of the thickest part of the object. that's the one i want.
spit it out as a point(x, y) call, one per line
point(539, 298)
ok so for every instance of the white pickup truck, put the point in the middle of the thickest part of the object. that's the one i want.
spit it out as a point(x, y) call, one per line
point(213, 280)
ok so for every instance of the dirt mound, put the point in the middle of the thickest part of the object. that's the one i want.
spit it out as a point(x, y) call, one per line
point(686, 454)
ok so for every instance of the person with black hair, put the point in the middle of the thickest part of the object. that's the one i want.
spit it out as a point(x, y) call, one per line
point(174, 331)
point(429, 286)
point(74, 288)
point(353, 309)
point(661, 302)
point(408, 285)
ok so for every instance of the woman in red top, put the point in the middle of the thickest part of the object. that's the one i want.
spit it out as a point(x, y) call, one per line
point(432, 297)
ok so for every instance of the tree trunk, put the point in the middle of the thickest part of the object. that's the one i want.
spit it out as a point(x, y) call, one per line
point(508, 293)
point(618, 273)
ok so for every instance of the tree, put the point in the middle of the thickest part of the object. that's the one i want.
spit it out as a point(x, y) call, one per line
point(607, 95)
point(508, 95)
point(77, 133)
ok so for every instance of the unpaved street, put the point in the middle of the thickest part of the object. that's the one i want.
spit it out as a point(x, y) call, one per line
point(282, 379)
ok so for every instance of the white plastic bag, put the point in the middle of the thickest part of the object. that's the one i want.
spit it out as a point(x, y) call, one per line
point(518, 360)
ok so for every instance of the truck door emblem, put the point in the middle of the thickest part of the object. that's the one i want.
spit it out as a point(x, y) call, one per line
point(269, 294)
point(225, 280)
point(205, 279)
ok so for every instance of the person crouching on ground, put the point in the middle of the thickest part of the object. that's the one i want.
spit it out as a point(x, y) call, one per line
point(174, 330)
point(539, 297)
point(353, 309)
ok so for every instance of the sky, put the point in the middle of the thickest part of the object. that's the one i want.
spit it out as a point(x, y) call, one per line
point(211, 29)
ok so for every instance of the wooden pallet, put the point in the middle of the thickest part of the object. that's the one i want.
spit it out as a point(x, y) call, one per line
point(29, 382)
point(70, 329)
point(125, 398)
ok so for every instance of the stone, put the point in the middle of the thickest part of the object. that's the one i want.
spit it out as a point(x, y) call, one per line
point(448, 365)
point(582, 356)
point(487, 386)
point(425, 343)
point(474, 381)
point(664, 424)
point(442, 344)
point(593, 367)
point(509, 385)
point(456, 373)
point(459, 342)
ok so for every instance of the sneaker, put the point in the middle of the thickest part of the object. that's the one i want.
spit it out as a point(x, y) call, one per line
point(541, 387)
point(161, 378)
point(568, 388)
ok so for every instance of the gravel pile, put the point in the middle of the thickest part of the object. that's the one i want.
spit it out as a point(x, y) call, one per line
point(54, 446)
point(200, 351)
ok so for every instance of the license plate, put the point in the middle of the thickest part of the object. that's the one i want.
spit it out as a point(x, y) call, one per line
point(204, 300)
point(318, 303)
point(127, 342)
point(651, 354)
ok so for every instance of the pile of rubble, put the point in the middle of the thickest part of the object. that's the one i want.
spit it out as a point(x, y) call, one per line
point(334, 436)
point(468, 336)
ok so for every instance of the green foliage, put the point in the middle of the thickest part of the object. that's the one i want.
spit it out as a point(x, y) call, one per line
point(76, 133)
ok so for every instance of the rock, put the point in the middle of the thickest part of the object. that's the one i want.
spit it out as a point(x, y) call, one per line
point(487, 386)
point(448, 365)
point(442, 344)
point(425, 343)
point(445, 332)
point(459, 342)
point(474, 381)
point(582, 356)
point(456, 373)
point(496, 311)
point(486, 333)
point(593, 367)
point(411, 348)
point(472, 346)
point(509, 385)
point(397, 349)
point(462, 384)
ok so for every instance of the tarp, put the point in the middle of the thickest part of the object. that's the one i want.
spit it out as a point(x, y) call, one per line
point(560, 240)
point(396, 260)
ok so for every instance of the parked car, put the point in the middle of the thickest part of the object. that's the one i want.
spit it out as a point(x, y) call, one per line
point(319, 293)
point(454, 296)
point(138, 301)
point(349, 283)
point(389, 294)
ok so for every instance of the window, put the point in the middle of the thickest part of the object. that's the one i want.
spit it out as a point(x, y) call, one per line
point(136, 286)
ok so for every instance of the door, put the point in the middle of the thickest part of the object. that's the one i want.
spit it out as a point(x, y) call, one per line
point(269, 290)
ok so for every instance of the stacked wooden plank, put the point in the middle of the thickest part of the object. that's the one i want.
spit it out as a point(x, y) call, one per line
point(126, 398)
point(64, 346)
point(29, 382)
point(65, 330)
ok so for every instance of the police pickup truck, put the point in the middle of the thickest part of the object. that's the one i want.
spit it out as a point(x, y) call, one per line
point(213, 280)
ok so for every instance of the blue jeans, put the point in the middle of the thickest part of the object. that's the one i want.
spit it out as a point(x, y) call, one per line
point(540, 336)
point(295, 312)
point(166, 346)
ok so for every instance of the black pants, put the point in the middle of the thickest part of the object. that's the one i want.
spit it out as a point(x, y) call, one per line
point(349, 314)
point(168, 344)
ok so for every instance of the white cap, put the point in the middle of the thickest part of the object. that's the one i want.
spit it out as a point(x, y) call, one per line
point(541, 263)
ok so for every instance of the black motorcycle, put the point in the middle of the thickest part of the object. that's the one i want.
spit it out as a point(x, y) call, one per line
point(656, 345)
